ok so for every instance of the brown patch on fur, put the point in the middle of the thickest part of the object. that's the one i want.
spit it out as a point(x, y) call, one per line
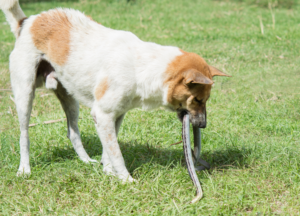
point(101, 89)
point(51, 34)
point(110, 138)
point(113, 149)
point(185, 62)
point(189, 80)
point(20, 25)
point(186, 97)
point(176, 73)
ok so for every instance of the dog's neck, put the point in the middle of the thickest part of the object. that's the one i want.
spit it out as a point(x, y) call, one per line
point(151, 67)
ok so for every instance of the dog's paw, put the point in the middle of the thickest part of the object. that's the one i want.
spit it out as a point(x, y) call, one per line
point(24, 171)
point(129, 179)
point(93, 161)
point(89, 160)
point(108, 170)
point(126, 178)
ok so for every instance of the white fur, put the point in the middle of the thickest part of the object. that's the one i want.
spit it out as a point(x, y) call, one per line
point(134, 70)
point(7, 4)
point(13, 14)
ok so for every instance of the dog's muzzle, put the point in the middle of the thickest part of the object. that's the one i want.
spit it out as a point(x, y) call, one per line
point(198, 120)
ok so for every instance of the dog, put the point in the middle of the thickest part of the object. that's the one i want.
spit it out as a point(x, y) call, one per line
point(110, 71)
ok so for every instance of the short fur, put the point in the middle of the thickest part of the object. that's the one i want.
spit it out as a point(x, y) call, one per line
point(110, 71)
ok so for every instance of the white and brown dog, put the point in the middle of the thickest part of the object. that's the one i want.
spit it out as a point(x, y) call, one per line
point(110, 71)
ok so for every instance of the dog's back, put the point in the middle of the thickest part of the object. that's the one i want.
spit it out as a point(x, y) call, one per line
point(83, 52)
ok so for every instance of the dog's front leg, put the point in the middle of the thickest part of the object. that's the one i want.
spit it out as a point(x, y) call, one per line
point(107, 168)
point(112, 159)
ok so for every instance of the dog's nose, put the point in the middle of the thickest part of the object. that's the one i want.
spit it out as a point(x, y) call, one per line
point(202, 120)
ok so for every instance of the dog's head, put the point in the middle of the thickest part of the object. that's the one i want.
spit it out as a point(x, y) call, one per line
point(189, 80)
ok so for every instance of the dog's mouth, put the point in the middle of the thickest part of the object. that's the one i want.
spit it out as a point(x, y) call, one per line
point(196, 120)
point(181, 113)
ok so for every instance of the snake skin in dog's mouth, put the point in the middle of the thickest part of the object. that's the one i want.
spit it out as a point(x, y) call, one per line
point(193, 156)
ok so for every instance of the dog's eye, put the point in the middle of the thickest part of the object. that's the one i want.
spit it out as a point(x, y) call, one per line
point(198, 101)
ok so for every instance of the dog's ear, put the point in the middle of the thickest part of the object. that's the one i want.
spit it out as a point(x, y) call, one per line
point(195, 77)
point(216, 72)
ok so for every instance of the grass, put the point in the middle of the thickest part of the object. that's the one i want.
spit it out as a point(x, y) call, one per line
point(267, 3)
point(252, 138)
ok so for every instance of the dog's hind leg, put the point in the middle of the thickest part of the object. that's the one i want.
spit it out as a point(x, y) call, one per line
point(23, 77)
point(71, 108)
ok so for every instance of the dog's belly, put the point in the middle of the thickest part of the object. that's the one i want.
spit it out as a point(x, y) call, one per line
point(80, 87)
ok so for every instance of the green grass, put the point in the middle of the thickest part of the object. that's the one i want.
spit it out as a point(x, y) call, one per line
point(252, 138)
point(273, 3)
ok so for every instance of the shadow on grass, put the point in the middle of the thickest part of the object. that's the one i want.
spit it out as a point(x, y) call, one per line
point(231, 157)
point(136, 154)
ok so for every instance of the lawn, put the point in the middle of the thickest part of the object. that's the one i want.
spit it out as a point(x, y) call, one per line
point(251, 140)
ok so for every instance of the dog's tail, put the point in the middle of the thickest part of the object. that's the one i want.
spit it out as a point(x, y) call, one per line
point(14, 14)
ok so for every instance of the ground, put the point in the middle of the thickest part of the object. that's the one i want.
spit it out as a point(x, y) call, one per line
point(251, 140)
